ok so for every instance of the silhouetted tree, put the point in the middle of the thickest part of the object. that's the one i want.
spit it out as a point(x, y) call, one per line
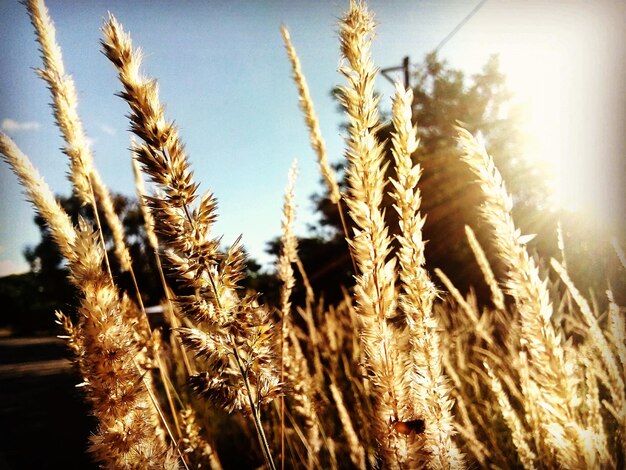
point(33, 297)
point(443, 98)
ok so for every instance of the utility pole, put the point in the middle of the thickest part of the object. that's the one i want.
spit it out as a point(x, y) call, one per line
point(406, 72)
point(407, 76)
point(405, 62)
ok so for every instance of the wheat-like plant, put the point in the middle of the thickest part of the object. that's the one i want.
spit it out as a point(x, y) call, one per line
point(233, 335)
point(396, 375)
point(430, 392)
point(384, 346)
point(85, 178)
point(111, 352)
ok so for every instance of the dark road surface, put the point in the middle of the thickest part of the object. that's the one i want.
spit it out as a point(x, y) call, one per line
point(44, 423)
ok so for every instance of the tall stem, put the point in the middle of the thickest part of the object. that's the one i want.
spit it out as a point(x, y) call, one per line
point(344, 225)
point(244, 376)
point(94, 206)
point(255, 411)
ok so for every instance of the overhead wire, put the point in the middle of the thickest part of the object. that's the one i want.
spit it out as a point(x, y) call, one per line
point(406, 65)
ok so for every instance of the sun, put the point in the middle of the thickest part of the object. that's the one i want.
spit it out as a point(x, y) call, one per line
point(563, 83)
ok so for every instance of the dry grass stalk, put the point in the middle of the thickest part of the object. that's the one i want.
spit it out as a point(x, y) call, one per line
point(617, 330)
point(596, 337)
point(310, 116)
point(308, 313)
point(233, 335)
point(196, 445)
point(115, 382)
point(289, 249)
point(64, 100)
point(526, 455)
point(619, 252)
point(316, 139)
point(84, 176)
point(154, 244)
point(531, 403)
point(430, 391)
point(497, 296)
point(458, 297)
point(148, 220)
point(303, 393)
point(371, 245)
point(285, 274)
point(608, 362)
point(357, 453)
point(107, 343)
point(560, 243)
point(594, 420)
point(550, 371)
point(474, 446)
point(40, 195)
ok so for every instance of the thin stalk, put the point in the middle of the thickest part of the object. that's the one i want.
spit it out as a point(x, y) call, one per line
point(186, 362)
point(345, 232)
point(149, 328)
point(167, 384)
point(282, 397)
point(310, 295)
point(138, 292)
point(255, 411)
point(307, 314)
point(300, 434)
point(159, 359)
point(144, 316)
point(302, 438)
point(99, 226)
point(162, 416)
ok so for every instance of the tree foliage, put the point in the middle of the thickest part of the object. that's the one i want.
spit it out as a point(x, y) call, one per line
point(32, 298)
point(35, 296)
point(443, 97)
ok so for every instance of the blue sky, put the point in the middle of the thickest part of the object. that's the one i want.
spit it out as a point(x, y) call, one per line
point(225, 78)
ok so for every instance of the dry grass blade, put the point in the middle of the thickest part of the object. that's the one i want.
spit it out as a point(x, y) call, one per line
point(285, 274)
point(608, 361)
point(312, 122)
point(243, 364)
point(496, 293)
point(84, 176)
point(619, 252)
point(547, 359)
point(526, 455)
point(430, 391)
point(147, 215)
point(371, 244)
point(357, 453)
point(40, 195)
point(310, 116)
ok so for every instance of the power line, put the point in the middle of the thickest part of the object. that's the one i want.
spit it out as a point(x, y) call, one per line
point(405, 62)
point(460, 25)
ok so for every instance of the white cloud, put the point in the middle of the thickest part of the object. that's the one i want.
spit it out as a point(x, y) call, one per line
point(8, 267)
point(10, 125)
point(108, 130)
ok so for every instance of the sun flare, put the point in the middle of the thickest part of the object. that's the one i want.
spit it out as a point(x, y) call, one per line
point(569, 107)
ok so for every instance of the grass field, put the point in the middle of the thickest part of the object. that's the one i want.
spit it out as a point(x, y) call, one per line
point(397, 375)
